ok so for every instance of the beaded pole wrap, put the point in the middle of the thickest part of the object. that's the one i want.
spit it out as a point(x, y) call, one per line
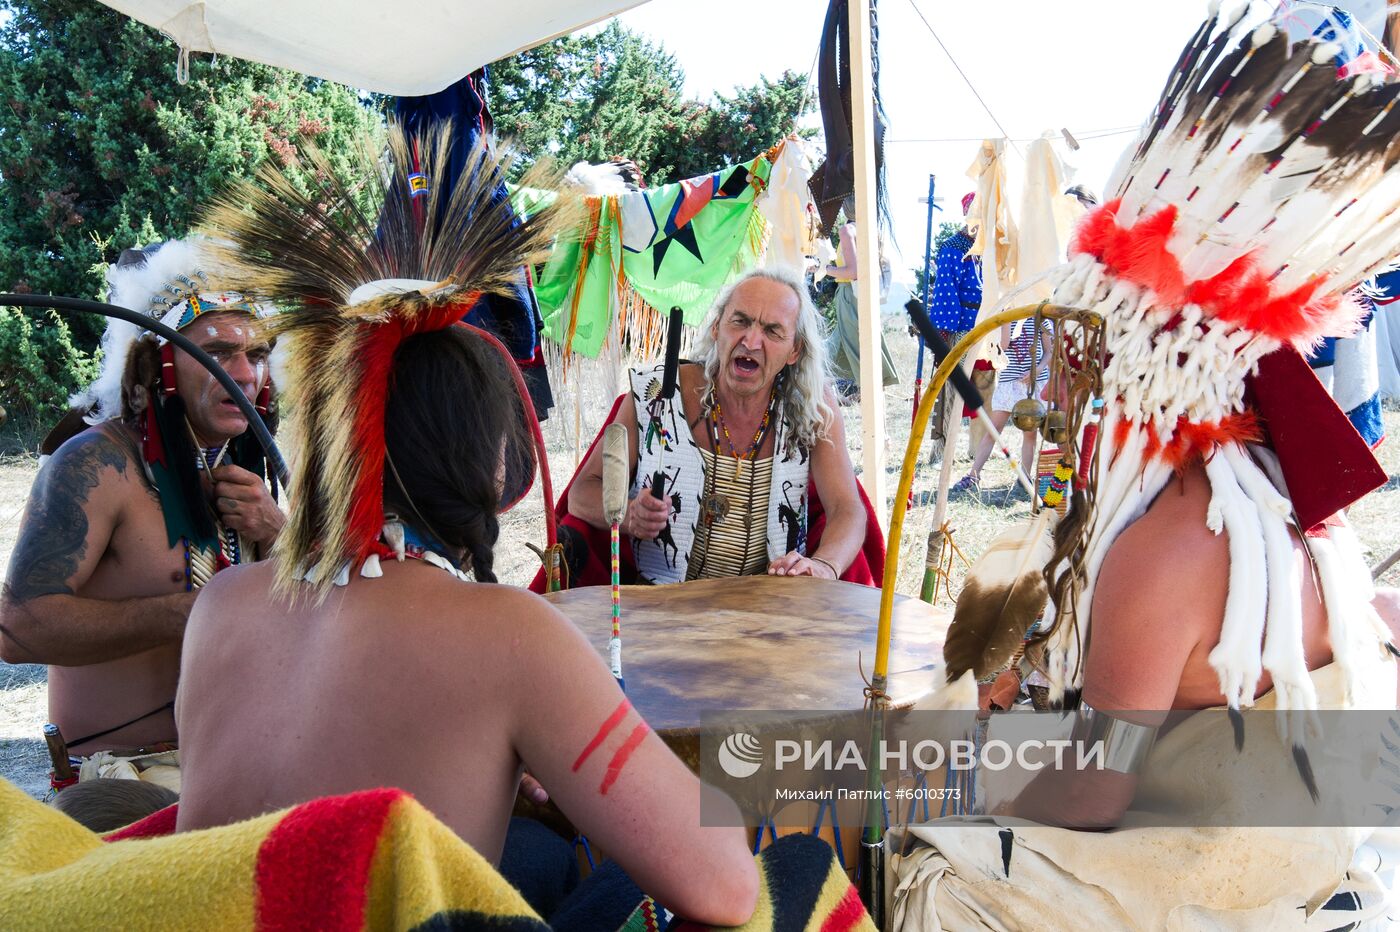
point(615, 645)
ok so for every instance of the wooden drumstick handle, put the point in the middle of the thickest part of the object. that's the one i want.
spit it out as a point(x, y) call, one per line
point(673, 353)
point(58, 752)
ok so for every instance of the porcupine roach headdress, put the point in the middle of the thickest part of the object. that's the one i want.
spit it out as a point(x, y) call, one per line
point(363, 269)
point(1259, 192)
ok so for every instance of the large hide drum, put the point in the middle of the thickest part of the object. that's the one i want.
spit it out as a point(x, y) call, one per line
point(776, 643)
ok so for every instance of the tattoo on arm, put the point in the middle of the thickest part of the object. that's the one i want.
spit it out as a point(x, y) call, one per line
point(53, 541)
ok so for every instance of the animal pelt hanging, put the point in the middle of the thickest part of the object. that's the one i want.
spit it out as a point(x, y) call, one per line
point(361, 271)
point(834, 179)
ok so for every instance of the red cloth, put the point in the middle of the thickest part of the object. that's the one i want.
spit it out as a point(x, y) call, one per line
point(1325, 463)
point(867, 569)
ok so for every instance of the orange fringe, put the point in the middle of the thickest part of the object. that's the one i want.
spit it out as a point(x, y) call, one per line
point(1192, 443)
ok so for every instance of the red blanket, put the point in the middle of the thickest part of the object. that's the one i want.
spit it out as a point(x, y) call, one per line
point(867, 569)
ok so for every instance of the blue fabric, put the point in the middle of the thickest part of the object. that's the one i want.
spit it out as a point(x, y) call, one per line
point(1388, 287)
point(1338, 26)
point(1325, 355)
point(957, 285)
point(1366, 418)
point(514, 319)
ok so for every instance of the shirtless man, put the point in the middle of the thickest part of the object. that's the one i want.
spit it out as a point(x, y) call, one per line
point(762, 352)
point(102, 580)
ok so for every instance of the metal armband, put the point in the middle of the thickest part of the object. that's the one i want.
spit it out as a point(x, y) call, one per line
point(1125, 744)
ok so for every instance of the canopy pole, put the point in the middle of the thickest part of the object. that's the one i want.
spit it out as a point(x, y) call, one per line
point(867, 284)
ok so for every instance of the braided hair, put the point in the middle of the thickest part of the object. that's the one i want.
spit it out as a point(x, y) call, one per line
point(455, 434)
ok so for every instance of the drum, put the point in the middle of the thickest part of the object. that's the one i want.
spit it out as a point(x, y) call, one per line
point(779, 643)
point(756, 642)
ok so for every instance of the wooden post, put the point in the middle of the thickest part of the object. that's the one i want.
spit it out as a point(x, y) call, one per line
point(867, 284)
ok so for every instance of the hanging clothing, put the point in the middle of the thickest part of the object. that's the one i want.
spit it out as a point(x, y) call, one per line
point(957, 285)
point(843, 345)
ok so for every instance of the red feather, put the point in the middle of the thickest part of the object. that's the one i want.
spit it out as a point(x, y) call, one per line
point(1239, 294)
point(366, 520)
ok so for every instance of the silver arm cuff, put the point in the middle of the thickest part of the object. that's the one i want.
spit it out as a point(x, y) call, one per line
point(1125, 744)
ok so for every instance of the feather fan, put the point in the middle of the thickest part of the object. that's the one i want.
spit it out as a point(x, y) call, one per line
point(1003, 594)
point(308, 243)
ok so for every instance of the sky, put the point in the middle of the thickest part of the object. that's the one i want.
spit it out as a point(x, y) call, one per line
point(1084, 65)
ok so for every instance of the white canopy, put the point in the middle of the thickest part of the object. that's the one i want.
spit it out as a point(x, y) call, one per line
point(407, 48)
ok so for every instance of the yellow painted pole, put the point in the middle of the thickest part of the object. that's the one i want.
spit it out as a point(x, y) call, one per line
point(911, 459)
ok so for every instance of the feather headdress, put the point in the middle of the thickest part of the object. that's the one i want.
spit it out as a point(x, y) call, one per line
point(364, 262)
point(169, 282)
point(1261, 190)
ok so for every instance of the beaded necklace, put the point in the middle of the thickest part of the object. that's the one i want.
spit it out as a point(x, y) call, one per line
point(202, 564)
point(717, 420)
point(715, 506)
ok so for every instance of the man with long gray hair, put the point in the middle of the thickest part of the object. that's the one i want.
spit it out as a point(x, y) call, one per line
point(745, 447)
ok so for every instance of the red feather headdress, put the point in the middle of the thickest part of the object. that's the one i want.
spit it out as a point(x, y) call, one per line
point(1262, 189)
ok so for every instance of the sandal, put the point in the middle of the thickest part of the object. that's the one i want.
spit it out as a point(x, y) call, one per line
point(969, 485)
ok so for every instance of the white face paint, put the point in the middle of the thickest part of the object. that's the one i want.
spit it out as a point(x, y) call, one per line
point(212, 331)
point(238, 330)
point(260, 372)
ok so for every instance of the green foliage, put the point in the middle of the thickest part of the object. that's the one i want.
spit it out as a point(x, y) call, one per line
point(945, 232)
point(39, 366)
point(611, 92)
point(105, 150)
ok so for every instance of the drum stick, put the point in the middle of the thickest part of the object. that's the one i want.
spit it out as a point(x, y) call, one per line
point(668, 386)
point(615, 474)
point(970, 395)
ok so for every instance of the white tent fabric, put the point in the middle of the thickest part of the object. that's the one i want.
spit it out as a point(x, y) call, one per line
point(409, 48)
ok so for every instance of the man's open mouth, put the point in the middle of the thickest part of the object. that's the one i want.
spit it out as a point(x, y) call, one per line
point(746, 364)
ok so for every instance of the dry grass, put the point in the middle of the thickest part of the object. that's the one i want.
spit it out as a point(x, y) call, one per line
point(23, 693)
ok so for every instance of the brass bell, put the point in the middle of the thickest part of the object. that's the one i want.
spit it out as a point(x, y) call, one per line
point(1056, 427)
point(1028, 413)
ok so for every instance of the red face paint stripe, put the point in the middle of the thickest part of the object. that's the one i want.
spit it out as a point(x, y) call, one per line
point(620, 758)
point(613, 721)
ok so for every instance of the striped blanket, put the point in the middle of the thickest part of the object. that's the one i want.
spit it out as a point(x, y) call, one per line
point(370, 860)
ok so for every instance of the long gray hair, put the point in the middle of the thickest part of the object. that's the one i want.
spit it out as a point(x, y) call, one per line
point(806, 415)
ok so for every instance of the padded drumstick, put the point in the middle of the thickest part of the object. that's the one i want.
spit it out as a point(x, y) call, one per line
point(615, 475)
point(970, 395)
